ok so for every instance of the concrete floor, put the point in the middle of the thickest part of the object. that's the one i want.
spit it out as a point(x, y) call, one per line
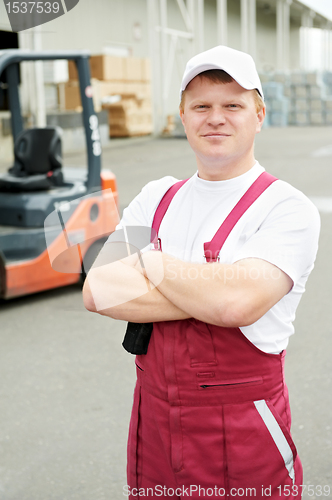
point(67, 383)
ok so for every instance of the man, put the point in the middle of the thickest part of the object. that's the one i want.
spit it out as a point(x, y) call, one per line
point(211, 415)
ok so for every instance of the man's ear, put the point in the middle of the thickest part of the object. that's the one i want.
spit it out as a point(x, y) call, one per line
point(260, 119)
point(182, 119)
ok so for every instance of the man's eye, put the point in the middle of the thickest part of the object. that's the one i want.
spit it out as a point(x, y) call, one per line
point(233, 105)
point(201, 106)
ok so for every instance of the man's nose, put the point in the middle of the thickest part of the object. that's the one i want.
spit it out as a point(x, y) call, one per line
point(216, 116)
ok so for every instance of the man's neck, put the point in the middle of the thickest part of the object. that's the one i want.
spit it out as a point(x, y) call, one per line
point(222, 171)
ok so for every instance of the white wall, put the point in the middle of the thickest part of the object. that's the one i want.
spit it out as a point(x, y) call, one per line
point(96, 24)
point(210, 24)
point(294, 40)
point(266, 46)
point(234, 24)
point(93, 24)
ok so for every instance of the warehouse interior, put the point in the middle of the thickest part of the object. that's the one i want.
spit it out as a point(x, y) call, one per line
point(139, 49)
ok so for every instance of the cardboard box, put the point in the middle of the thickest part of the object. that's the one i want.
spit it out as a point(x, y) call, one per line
point(132, 69)
point(130, 117)
point(102, 89)
point(300, 91)
point(315, 91)
point(328, 104)
point(273, 90)
point(112, 68)
point(298, 78)
point(72, 70)
point(328, 118)
point(137, 69)
point(69, 93)
point(317, 118)
point(146, 69)
point(300, 104)
point(299, 118)
point(140, 89)
point(105, 67)
point(316, 105)
point(278, 119)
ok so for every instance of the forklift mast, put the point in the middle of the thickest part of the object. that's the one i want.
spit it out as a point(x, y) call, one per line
point(9, 63)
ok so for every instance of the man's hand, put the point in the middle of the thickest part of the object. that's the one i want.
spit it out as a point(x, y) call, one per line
point(120, 290)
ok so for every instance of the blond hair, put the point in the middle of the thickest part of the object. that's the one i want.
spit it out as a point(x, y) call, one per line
point(219, 76)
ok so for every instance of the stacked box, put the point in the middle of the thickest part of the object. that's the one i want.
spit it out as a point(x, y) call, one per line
point(141, 89)
point(299, 118)
point(109, 68)
point(299, 91)
point(273, 90)
point(276, 104)
point(130, 117)
point(123, 76)
point(316, 105)
point(298, 78)
point(278, 119)
point(69, 95)
point(280, 105)
point(281, 78)
point(317, 118)
point(314, 78)
point(327, 109)
point(102, 67)
point(300, 104)
point(327, 80)
point(306, 98)
point(327, 103)
point(315, 91)
point(307, 103)
point(328, 118)
point(287, 91)
point(112, 68)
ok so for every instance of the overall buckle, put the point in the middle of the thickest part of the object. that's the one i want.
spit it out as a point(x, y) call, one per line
point(217, 259)
point(157, 244)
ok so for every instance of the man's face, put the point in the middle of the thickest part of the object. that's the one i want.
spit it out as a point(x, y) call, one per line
point(221, 121)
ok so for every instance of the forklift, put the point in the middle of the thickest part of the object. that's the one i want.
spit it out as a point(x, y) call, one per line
point(53, 220)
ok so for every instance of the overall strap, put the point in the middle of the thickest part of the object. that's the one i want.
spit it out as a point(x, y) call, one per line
point(213, 247)
point(161, 211)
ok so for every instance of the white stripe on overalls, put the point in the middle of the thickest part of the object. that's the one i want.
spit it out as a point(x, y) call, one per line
point(277, 436)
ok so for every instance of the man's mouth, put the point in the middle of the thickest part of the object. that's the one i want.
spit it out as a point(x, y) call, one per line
point(215, 134)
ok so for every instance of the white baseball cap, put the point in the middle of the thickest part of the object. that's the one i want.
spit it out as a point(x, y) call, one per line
point(239, 65)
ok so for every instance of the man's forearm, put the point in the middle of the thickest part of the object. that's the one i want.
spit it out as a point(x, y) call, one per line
point(120, 291)
point(230, 295)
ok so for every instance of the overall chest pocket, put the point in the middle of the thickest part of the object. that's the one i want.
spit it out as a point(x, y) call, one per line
point(200, 344)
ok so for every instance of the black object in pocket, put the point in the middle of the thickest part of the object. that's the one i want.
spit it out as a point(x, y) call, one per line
point(137, 337)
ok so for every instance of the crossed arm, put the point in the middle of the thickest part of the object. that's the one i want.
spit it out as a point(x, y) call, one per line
point(165, 289)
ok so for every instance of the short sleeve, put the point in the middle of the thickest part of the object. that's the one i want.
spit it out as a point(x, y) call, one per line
point(141, 210)
point(287, 238)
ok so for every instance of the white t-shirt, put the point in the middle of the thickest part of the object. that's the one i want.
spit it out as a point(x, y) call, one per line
point(281, 226)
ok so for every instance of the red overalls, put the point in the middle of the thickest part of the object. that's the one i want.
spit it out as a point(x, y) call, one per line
point(211, 415)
